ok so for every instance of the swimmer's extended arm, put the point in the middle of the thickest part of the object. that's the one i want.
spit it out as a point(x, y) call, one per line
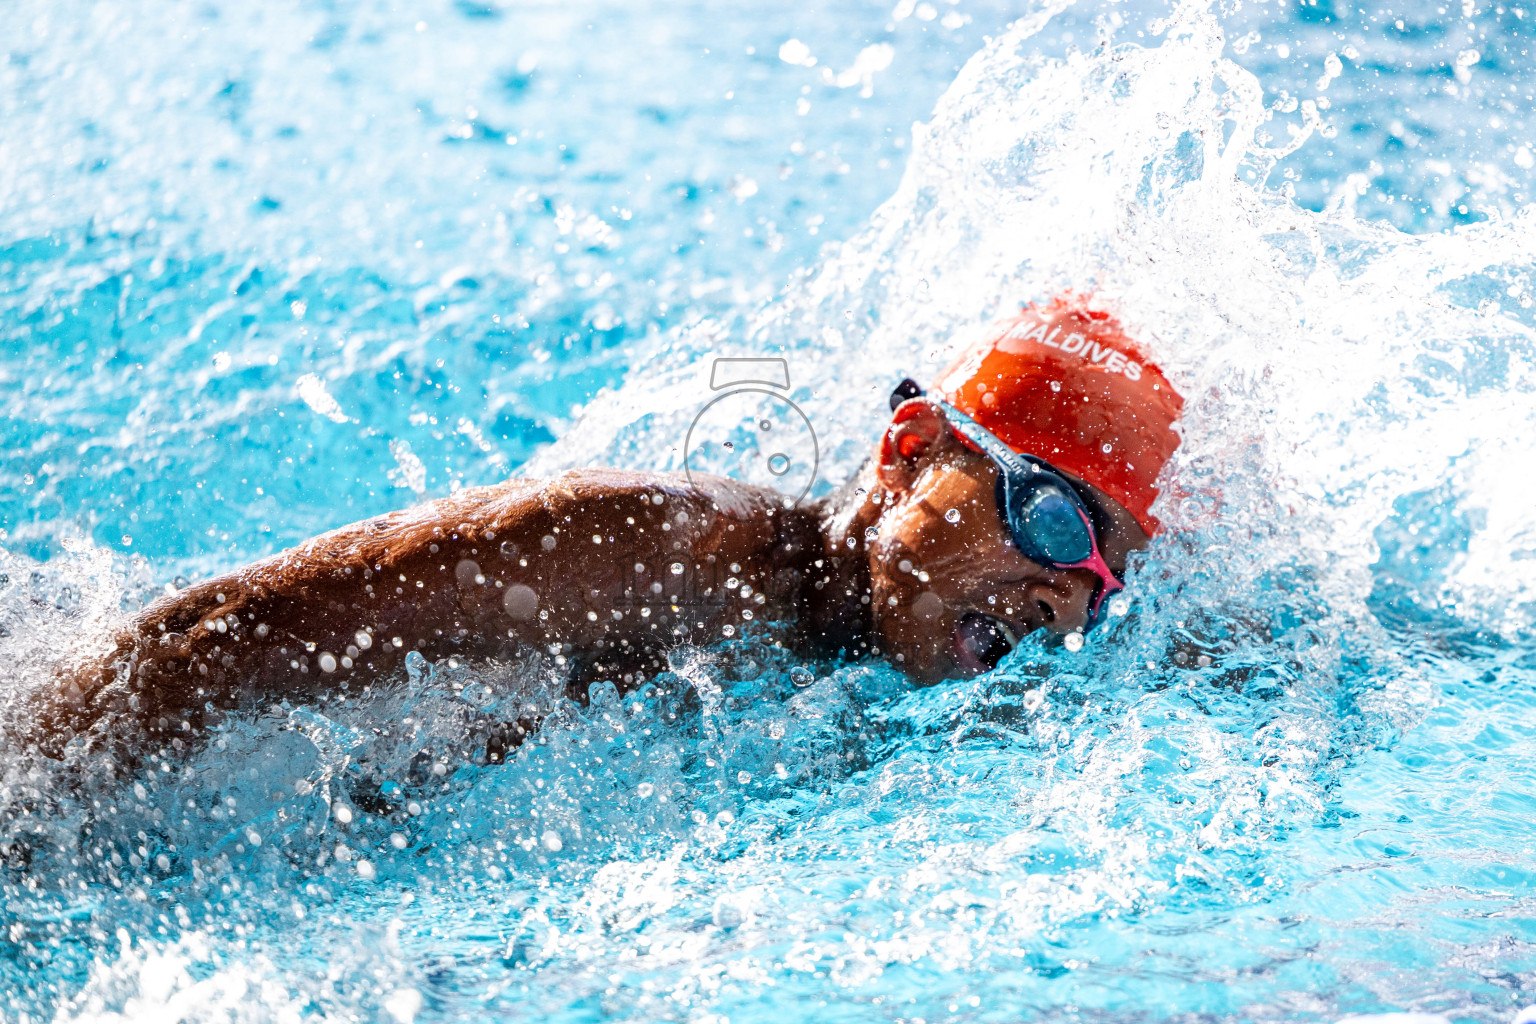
point(617, 565)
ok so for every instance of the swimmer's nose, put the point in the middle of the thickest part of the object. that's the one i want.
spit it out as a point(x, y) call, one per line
point(1060, 602)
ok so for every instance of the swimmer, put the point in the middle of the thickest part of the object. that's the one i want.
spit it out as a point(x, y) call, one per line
point(1001, 501)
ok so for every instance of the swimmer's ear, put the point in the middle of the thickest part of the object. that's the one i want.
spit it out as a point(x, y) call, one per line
point(916, 431)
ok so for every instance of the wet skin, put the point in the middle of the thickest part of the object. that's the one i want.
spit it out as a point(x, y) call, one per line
point(605, 569)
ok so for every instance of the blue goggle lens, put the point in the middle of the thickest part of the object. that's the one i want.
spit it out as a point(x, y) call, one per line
point(1050, 520)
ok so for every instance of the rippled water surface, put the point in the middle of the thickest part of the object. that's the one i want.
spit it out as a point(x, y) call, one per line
point(270, 268)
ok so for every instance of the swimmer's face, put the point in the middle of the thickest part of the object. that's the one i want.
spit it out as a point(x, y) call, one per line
point(950, 592)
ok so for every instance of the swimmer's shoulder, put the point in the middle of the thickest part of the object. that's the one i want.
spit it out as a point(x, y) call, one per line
point(513, 514)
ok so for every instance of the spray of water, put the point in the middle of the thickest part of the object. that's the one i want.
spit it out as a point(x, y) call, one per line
point(745, 832)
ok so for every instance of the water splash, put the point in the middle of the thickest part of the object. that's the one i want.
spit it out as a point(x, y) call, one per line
point(1263, 773)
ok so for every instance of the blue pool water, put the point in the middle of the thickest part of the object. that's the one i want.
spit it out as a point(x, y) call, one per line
point(269, 268)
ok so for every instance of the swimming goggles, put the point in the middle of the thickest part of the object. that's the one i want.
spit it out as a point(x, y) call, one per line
point(1045, 514)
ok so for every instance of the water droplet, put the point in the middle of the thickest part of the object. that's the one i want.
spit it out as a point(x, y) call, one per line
point(645, 789)
point(520, 601)
point(801, 676)
point(1073, 641)
point(952, 516)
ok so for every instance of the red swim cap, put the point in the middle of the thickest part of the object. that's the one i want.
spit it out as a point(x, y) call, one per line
point(1064, 384)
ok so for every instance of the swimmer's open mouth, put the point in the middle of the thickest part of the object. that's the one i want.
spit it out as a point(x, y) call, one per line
point(981, 641)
